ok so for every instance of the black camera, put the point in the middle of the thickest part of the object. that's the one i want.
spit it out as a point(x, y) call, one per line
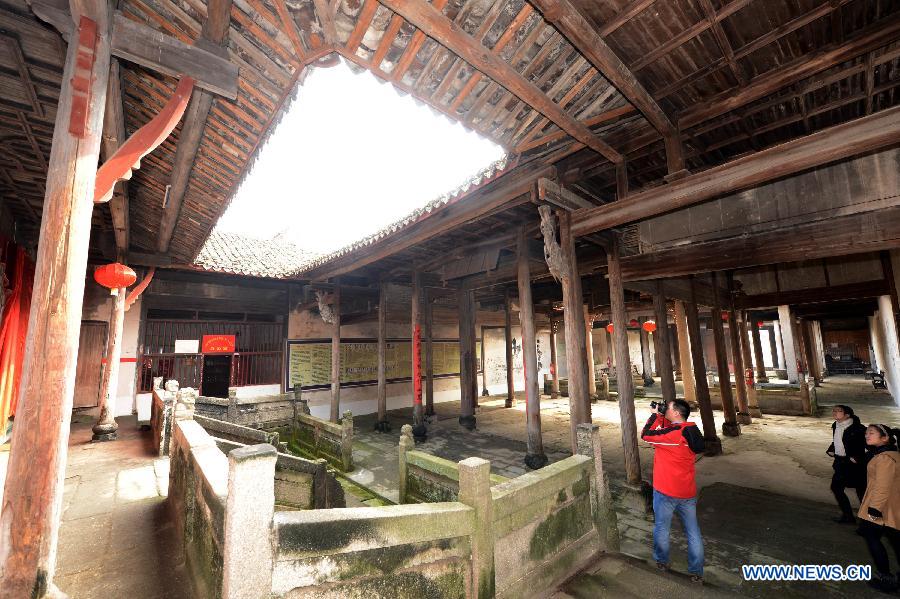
point(659, 406)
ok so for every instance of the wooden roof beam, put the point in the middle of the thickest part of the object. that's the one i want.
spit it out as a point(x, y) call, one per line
point(584, 37)
point(325, 15)
point(215, 32)
point(449, 34)
point(113, 137)
point(834, 143)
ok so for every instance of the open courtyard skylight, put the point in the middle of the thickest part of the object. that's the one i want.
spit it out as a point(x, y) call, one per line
point(351, 156)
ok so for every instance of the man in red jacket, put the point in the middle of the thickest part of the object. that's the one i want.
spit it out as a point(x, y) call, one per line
point(676, 442)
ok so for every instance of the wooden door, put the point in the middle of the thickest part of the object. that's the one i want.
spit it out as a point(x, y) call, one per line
point(91, 348)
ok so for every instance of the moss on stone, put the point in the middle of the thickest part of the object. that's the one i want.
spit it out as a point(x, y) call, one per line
point(582, 485)
point(567, 524)
point(323, 536)
point(423, 490)
point(562, 497)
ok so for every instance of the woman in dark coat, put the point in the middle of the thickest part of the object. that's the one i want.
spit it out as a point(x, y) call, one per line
point(848, 448)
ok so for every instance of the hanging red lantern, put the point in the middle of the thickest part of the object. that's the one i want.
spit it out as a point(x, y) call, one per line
point(724, 315)
point(633, 322)
point(114, 276)
point(649, 326)
point(609, 328)
point(760, 324)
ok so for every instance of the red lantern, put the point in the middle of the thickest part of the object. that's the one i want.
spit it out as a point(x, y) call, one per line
point(649, 326)
point(609, 328)
point(760, 324)
point(114, 276)
point(724, 315)
point(633, 323)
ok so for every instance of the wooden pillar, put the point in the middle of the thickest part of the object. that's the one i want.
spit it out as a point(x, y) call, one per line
point(789, 342)
point(758, 353)
point(534, 456)
point(467, 382)
point(507, 332)
point(773, 348)
point(713, 444)
point(778, 356)
point(484, 388)
point(740, 385)
point(382, 424)
point(420, 432)
point(336, 356)
point(809, 346)
point(32, 500)
point(573, 313)
point(429, 354)
point(661, 336)
point(646, 368)
point(673, 351)
point(554, 362)
point(684, 352)
point(106, 427)
point(624, 382)
point(589, 353)
point(748, 375)
point(730, 427)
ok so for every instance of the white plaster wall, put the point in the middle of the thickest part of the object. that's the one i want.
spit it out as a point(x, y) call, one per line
point(125, 390)
point(890, 352)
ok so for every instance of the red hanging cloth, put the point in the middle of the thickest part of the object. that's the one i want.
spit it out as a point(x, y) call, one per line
point(13, 331)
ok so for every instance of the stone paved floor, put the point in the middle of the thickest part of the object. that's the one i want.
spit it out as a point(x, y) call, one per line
point(777, 460)
point(116, 539)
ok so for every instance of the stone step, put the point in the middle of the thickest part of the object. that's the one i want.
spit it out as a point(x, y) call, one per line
point(625, 577)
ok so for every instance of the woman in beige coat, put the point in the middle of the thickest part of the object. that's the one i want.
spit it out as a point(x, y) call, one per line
point(879, 512)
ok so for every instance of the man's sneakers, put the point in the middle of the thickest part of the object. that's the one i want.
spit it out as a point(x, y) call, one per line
point(696, 579)
point(662, 567)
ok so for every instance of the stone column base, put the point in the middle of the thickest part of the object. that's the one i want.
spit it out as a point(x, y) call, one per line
point(780, 374)
point(420, 432)
point(755, 412)
point(744, 418)
point(731, 429)
point(713, 446)
point(535, 461)
point(637, 498)
point(467, 422)
point(383, 426)
point(99, 437)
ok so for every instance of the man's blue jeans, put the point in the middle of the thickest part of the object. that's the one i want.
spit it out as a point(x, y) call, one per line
point(663, 508)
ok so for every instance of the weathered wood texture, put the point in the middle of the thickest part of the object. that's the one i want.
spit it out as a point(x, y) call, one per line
point(663, 345)
point(32, 500)
point(624, 382)
point(701, 386)
point(842, 141)
point(467, 375)
point(382, 352)
point(730, 426)
point(534, 442)
point(336, 355)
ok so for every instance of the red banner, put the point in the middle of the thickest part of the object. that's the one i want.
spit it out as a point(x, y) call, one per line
point(217, 344)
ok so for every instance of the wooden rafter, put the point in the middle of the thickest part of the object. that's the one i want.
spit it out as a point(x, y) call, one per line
point(325, 15)
point(473, 81)
point(363, 22)
point(387, 40)
point(290, 27)
point(409, 54)
point(215, 32)
point(751, 47)
point(572, 24)
point(444, 31)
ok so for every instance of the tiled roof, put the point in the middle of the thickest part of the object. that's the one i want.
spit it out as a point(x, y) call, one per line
point(489, 173)
point(242, 255)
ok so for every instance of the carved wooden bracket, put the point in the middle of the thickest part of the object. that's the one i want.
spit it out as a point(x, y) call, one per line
point(324, 308)
point(552, 252)
point(137, 291)
point(146, 139)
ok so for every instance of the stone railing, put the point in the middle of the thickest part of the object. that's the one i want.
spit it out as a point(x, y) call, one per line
point(518, 538)
point(300, 484)
point(165, 403)
point(235, 432)
point(267, 412)
point(426, 478)
point(323, 439)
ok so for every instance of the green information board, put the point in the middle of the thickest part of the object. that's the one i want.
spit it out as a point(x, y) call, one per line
point(309, 361)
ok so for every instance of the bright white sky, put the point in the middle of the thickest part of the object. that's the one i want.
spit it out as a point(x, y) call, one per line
point(351, 156)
